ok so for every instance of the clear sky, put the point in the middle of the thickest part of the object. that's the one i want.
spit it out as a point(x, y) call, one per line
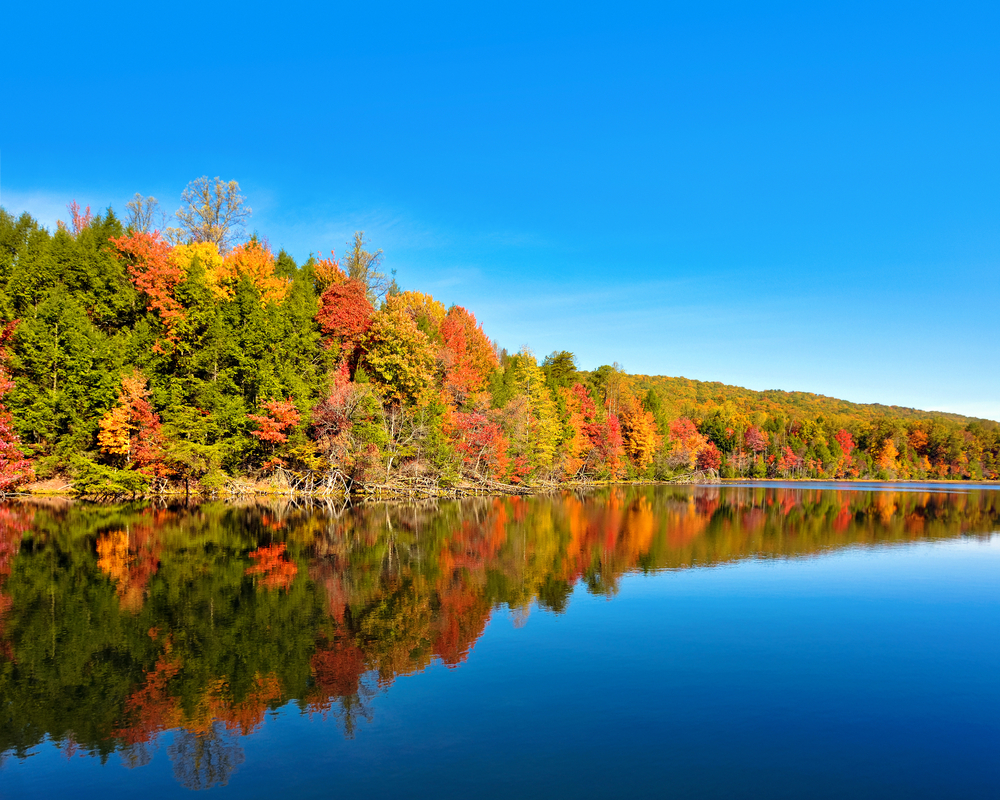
point(792, 196)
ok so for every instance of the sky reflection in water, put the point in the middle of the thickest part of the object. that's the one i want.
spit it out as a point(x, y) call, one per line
point(844, 642)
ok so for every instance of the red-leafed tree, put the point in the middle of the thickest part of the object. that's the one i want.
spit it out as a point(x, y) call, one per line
point(481, 444)
point(15, 469)
point(154, 273)
point(756, 439)
point(789, 462)
point(686, 443)
point(79, 221)
point(345, 313)
point(709, 457)
point(846, 442)
point(604, 434)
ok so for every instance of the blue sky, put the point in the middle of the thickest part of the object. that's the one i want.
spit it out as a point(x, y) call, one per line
point(790, 196)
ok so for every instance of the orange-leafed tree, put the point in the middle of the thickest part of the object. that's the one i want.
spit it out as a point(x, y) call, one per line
point(274, 425)
point(576, 444)
point(918, 441)
point(887, 456)
point(253, 261)
point(467, 357)
point(639, 433)
point(130, 431)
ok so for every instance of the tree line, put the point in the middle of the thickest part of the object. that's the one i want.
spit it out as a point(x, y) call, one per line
point(139, 357)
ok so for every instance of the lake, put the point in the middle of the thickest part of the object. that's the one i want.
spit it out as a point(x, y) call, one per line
point(767, 640)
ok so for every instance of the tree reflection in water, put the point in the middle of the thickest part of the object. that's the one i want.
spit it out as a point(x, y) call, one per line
point(205, 759)
point(120, 623)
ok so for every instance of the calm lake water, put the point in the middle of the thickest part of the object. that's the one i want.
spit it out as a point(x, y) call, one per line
point(770, 641)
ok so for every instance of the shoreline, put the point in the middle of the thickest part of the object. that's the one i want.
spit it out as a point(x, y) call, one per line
point(365, 493)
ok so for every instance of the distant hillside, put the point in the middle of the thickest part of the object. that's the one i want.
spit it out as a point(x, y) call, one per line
point(691, 398)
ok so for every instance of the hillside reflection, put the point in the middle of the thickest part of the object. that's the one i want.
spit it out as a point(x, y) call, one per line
point(118, 623)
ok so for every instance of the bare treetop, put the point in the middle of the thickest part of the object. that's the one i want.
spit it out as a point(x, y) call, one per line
point(214, 211)
point(141, 212)
point(366, 266)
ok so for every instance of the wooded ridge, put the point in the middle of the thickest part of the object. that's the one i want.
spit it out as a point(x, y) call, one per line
point(137, 360)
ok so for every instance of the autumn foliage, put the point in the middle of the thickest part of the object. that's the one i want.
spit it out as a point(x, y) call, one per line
point(197, 357)
point(130, 431)
point(155, 274)
point(345, 313)
point(273, 426)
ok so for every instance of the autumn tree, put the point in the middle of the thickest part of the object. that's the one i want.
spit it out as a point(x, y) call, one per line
point(130, 431)
point(427, 312)
point(213, 267)
point(709, 457)
point(254, 262)
point(481, 444)
point(280, 417)
point(327, 271)
point(397, 356)
point(639, 433)
point(347, 423)
point(467, 356)
point(345, 314)
point(214, 211)
point(846, 444)
point(603, 432)
point(685, 444)
point(887, 456)
point(15, 469)
point(756, 440)
point(79, 219)
point(576, 445)
point(155, 274)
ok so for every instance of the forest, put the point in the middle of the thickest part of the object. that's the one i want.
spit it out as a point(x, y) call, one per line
point(141, 358)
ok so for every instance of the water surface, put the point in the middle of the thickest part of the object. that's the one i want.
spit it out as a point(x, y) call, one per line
point(773, 641)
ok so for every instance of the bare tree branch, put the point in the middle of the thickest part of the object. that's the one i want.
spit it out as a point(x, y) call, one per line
point(214, 211)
